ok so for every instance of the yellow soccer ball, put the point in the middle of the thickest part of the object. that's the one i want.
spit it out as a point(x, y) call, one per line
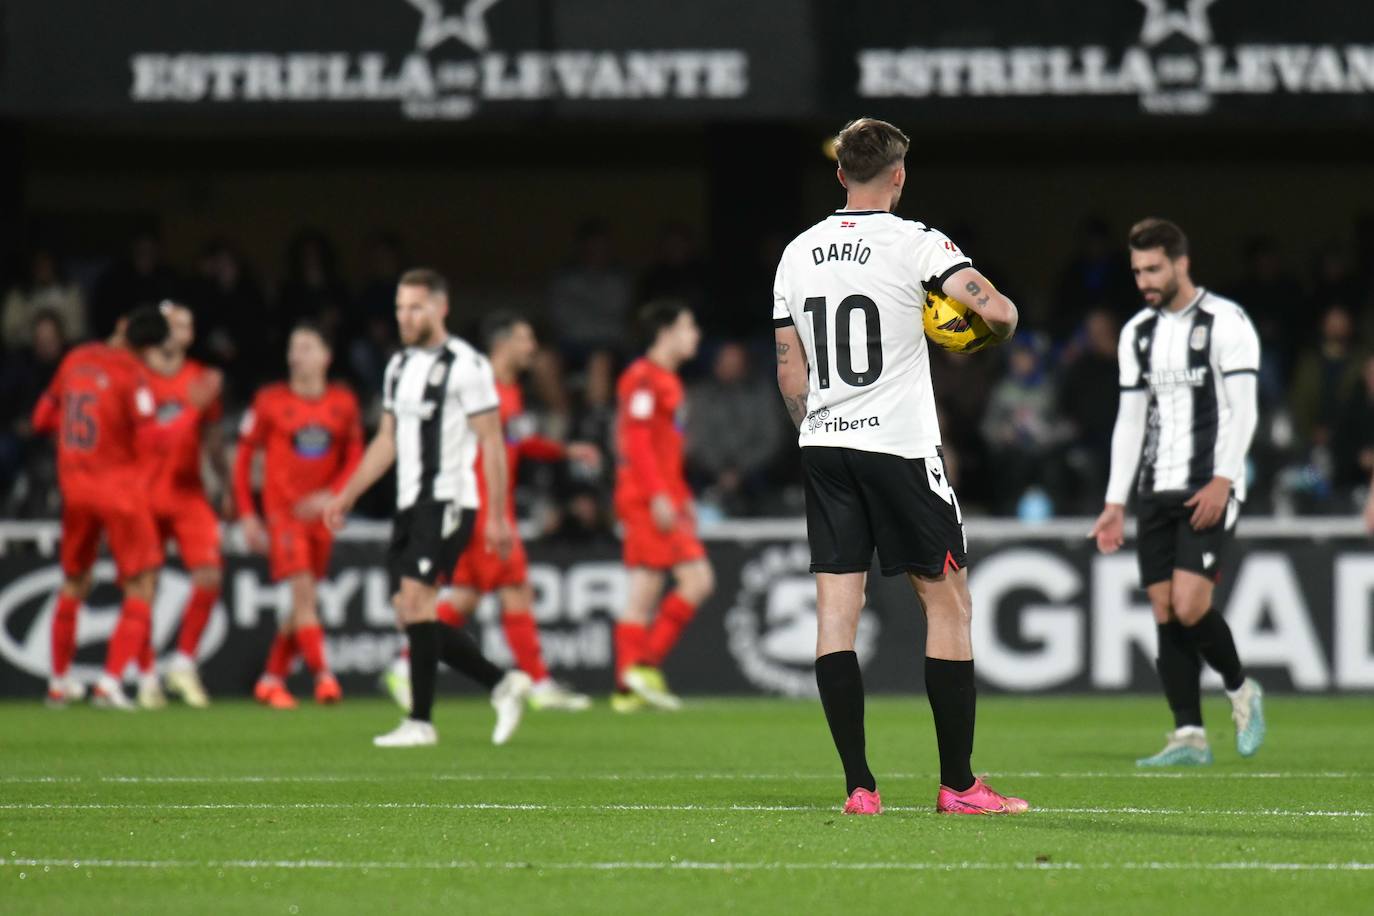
point(950, 325)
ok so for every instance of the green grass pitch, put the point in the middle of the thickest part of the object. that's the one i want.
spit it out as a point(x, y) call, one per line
point(728, 806)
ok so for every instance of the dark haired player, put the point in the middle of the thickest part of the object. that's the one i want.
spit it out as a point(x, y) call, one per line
point(310, 431)
point(103, 414)
point(654, 505)
point(1189, 362)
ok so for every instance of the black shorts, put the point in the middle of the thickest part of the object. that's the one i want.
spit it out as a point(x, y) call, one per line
point(904, 507)
point(1166, 540)
point(426, 541)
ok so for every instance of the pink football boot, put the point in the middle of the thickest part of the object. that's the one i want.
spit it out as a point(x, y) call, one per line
point(863, 802)
point(979, 798)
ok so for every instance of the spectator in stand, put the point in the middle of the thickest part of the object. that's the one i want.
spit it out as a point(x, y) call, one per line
point(312, 289)
point(24, 376)
point(732, 432)
point(1324, 379)
point(1096, 274)
point(1088, 392)
point(1020, 429)
point(589, 300)
point(1353, 439)
point(139, 279)
point(238, 328)
point(594, 420)
point(373, 338)
point(678, 271)
point(43, 291)
point(1268, 291)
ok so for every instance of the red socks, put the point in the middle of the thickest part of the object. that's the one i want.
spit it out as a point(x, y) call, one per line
point(673, 616)
point(629, 647)
point(310, 640)
point(280, 656)
point(130, 634)
point(194, 619)
point(522, 635)
point(448, 615)
point(64, 634)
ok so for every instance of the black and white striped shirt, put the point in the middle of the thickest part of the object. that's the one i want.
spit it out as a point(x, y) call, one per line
point(431, 393)
point(1197, 366)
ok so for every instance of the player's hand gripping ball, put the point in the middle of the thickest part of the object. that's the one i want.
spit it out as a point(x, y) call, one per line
point(951, 325)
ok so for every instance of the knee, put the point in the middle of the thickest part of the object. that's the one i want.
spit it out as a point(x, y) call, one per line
point(699, 585)
point(207, 578)
point(1190, 609)
point(142, 586)
point(1163, 611)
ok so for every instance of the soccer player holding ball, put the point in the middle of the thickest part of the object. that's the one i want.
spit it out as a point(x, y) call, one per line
point(310, 430)
point(654, 506)
point(849, 306)
point(1189, 364)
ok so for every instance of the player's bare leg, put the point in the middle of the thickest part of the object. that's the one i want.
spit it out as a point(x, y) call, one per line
point(839, 602)
point(953, 696)
point(183, 675)
point(62, 687)
point(135, 617)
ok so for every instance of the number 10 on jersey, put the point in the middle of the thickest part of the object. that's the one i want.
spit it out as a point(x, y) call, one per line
point(844, 355)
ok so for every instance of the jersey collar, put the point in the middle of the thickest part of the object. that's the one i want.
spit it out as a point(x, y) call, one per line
point(860, 212)
point(1187, 309)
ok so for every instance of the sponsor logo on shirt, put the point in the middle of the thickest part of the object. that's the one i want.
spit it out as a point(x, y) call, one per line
point(168, 411)
point(822, 421)
point(1168, 379)
point(312, 441)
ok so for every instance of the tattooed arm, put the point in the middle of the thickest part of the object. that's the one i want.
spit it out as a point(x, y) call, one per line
point(973, 289)
point(792, 373)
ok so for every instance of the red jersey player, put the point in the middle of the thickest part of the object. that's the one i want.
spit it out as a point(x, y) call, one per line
point(511, 346)
point(312, 434)
point(654, 506)
point(102, 412)
point(180, 508)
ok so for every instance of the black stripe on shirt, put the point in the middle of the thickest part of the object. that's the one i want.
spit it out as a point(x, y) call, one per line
point(432, 429)
point(1144, 347)
point(783, 322)
point(937, 284)
point(1206, 418)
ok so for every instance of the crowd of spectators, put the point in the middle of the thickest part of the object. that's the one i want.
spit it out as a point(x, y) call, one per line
point(1027, 427)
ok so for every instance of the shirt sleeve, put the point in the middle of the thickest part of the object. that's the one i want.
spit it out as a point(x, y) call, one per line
point(937, 259)
point(389, 384)
point(782, 315)
point(252, 433)
point(1128, 364)
point(474, 385)
point(1236, 345)
point(641, 403)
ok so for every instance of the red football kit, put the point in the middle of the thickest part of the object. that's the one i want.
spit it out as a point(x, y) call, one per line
point(649, 444)
point(103, 414)
point(478, 567)
point(180, 508)
point(311, 445)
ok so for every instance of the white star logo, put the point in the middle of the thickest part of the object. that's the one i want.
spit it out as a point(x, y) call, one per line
point(437, 26)
point(1161, 22)
point(1208, 559)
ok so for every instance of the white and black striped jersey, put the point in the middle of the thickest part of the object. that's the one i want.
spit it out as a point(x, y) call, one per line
point(1182, 360)
point(854, 285)
point(431, 393)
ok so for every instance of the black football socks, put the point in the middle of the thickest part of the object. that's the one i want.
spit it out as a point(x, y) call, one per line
point(461, 653)
point(842, 695)
point(1211, 635)
point(954, 703)
point(424, 667)
point(1180, 668)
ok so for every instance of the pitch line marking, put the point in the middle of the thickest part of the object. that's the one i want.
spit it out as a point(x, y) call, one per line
point(654, 777)
point(682, 865)
point(537, 806)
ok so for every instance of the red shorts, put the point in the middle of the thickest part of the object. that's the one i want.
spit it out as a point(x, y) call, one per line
point(195, 529)
point(478, 568)
point(645, 545)
point(129, 530)
point(298, 547)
